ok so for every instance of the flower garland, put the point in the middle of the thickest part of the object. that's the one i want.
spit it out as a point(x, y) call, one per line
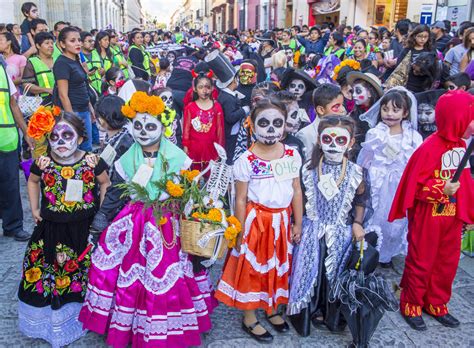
point(142, 103)
point(233, 230)
point(353, 64)
point(42, 121)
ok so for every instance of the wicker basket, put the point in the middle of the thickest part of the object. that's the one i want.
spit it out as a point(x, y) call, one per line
point(191, 232)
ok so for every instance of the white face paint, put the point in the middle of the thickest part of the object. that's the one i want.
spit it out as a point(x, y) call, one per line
point(167, 98)
point(293, 119)
point(297, 87)
point(63, 140)
point(334, 143)
point(147, 129)
point(269, 126)
point(426, 114)
point(360, 94)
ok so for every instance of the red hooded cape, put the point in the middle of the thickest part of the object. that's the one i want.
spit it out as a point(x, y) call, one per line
point(454, 112)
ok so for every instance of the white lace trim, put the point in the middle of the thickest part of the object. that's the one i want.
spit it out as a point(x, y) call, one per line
point(247, 297)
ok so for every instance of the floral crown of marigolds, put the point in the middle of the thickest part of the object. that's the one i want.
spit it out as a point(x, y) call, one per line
point(352, 63)
point(42, 121)
point(142, 103)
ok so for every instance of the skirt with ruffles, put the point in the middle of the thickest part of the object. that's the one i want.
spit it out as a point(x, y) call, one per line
point(142, 290)
point(257, 276)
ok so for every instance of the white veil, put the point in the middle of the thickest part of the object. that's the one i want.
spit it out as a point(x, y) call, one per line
point(371, 116)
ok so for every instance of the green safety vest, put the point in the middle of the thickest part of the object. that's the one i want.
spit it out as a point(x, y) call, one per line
point(8, 131)
point(119, 57)
point(178, 37)
point(44, 75)
point(57, 52)
point(337, 53)
point(146, 59)
point(95, 79)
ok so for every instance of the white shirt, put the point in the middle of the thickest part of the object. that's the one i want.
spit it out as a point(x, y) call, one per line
point(309, 136)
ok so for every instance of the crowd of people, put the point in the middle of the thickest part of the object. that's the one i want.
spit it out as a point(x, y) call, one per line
point(368, 124)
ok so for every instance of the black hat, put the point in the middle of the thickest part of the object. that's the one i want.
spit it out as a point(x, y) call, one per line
point(266, 37)
point(429, 97)
point(292, 74)
point(222, 68)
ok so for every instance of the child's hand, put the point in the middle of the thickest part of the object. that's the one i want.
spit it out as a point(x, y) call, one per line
point(92, 160)
point(450, 188)
point(358, 232)
point(43, 162)
point(296, 233)
point(36, 215)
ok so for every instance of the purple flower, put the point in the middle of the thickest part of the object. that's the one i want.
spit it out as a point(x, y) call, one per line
point(39, 286)
point(256, 170)
point(88, 197)
point(76, 286)
point(51, 197)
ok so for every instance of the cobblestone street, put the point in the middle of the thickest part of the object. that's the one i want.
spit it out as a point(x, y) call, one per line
point(226, 332)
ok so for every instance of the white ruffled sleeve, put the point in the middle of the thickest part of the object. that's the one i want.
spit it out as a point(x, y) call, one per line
point(241, 168)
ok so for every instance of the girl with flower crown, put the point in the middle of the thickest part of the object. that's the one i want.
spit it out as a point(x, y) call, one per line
point(203, 123)
point(55, 266)
point(142, 289)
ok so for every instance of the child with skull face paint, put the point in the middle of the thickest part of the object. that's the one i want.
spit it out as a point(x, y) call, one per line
point(301, 85)
point(426, 111)
point(266, 197)
point(336, 205)
point(203, 124)
point(385, 152)
point(166, 94)
point(56, 263)
point(139, 271)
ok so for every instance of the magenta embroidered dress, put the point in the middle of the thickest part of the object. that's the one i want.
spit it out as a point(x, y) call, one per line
point(142, 289)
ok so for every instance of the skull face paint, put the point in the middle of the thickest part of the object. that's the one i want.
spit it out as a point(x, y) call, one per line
point(167, 98)
point(334, 143)
point(297, 87)
point(293, 119)
point(426, 113)
point(360, 94)
point(63, 140)
point(147, 129)
point(269, 126)
point(247, 74)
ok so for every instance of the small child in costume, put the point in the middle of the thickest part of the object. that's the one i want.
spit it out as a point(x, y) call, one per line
point(256, 272)
point(387, 148)
point(436, 208)
point(336, 199)
point(54, 278)
point(142, 290)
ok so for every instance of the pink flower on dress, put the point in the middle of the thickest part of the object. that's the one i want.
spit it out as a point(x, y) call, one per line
point(51, 197)
point(55, 292)
point(39, 286)
point(88, 197)
point(76, 286)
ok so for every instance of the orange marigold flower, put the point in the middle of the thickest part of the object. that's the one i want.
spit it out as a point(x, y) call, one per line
point(214, 215)
point(163, 220)
point(41, 123)
point(175, 190)
point(155, 105)
point(189, 174)
point(138, 102)
point(233, 221)
point(127, 111)
point(56, 110)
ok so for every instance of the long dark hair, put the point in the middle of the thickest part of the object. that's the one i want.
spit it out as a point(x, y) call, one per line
point(132, 36)
point(13, 42)
point(75, 121)
point(411, 40)
point(201, 76)
point(399, 99)
point(326, 122)
point(100, 35)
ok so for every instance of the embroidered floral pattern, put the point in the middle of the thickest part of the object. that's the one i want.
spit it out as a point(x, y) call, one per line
point(262, 168)
point(55, 178)
point(67, 273)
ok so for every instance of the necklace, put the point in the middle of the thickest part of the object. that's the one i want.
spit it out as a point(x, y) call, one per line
point(168, 245)
point(343, 172)
point(149, 156)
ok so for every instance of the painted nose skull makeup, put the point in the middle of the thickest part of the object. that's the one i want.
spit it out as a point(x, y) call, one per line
point(293, 119)
point(269, 126)
point(426, 113)
point(297, 87)
point(334, 143)
point(63, 140)
point(147, 129)
point(360, 94)
point(167, 98)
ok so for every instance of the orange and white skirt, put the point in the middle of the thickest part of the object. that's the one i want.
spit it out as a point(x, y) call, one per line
point(257, 277)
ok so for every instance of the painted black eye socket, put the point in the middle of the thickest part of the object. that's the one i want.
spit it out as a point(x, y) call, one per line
point(278, 123)
point(294, 115)
point(68, 135)
point(151, 127)
point(263, 122)
point(358, 90)
point(137, 125)
point(54, 137)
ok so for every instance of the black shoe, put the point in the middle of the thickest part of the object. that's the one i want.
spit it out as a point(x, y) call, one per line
point(447, 320)
point(281, 328)
point(263, 338)
point(416, 323)
point(22, 236)
point(386, 265)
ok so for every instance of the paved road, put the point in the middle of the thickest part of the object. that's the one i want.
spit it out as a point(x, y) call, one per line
point(392, 330)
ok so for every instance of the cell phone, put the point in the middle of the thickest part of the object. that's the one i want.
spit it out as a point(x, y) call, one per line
point(93, 69)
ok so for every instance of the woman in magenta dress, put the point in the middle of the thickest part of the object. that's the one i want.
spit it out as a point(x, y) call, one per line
point(203, 124)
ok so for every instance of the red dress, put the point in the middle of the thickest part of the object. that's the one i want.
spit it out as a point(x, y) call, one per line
point(201, 129)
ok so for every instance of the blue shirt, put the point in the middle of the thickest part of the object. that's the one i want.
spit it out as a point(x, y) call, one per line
point(314, 46)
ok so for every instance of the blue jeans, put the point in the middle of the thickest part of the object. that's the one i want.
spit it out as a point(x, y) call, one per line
point(86, 117)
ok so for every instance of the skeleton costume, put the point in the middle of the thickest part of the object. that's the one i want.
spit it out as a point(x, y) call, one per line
point(55, 267)
point(385, 157)
point(325, 244)
point(142, 289)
